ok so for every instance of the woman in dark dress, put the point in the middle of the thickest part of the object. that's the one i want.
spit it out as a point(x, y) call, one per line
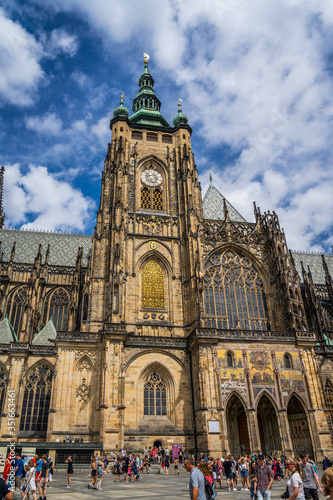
point(70, 471)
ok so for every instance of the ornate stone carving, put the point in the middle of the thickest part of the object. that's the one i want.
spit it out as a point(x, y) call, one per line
point(83, 391)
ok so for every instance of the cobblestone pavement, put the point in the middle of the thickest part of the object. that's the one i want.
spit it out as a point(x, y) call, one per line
point(152, 486)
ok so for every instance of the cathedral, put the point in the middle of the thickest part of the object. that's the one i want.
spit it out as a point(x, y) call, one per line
point(177, 322)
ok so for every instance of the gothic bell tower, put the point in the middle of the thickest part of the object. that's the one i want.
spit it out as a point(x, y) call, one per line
point(145, 259)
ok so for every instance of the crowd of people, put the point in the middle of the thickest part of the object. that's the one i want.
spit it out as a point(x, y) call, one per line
point(251, 473)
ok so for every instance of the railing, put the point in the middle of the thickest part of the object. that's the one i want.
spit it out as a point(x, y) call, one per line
point(286, 335)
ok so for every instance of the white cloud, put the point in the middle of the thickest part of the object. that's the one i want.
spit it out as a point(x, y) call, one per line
point(48, 124)
point(20, 56)
point(61, 41)
point(51, 203)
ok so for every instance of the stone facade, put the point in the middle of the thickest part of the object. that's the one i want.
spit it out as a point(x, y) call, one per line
point(165, 326)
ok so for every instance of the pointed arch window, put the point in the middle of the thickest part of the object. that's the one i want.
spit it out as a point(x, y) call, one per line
point(56, 307)
point(153, 294)
point(15, 307)
point(288, 362)
point(36, 399)
point(329, 397)
point(151, 199)
point(155, 395)
point(157, 200)
point(234, 293)
point(145, 198)
point(230, 361)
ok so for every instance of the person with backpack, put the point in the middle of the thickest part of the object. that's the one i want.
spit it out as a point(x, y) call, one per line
point(197, 480)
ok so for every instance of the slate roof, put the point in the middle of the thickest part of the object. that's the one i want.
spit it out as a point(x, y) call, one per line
point(63, 247)
point(213, 206)
point(315, 262)
point(7, 334)
point(48, 332)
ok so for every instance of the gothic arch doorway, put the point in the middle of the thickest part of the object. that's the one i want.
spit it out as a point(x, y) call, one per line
point(268, 426)
point(299, 427)
point(238, 432)
point(157, 443)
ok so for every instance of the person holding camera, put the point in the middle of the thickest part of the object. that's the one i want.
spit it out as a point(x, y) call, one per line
point(295, 488)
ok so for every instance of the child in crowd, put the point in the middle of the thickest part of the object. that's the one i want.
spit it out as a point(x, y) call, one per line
point(175, 465)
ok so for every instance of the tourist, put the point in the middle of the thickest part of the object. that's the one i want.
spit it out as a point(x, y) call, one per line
point(175, 466)
point(70, 470)
point(227, 469)
point(99, 475)
point(264, 477)
point(326, 463)
point(197, 480)
point(253, 480)
point(31, 481)
point(295, 483)
point(205, 469)
point(327, 482)
point(166, 463)
point(50, 475)
point(18, 471)
point(310, 480)
point(118, 470)
point(244, 471)
point(180, 455)
point(43, 477)
point(93, 473)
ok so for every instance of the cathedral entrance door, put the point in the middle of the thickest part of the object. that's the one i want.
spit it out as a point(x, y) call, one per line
point(157, 444)
point(238, 432)
point(299, 427)
point(268, 426)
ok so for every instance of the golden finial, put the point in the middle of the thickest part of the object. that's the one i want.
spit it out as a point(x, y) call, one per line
point(180, 102)
point(146, 58)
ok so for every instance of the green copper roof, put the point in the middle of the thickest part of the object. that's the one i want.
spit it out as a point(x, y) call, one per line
point(146, 105)
point(7, 334)
point(180, 118)
point(121, 110)
point(44, 336)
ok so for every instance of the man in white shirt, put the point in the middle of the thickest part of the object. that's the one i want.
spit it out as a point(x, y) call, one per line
point(167, 452)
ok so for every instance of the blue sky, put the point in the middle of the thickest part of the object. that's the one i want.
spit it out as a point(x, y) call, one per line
point(256, 81)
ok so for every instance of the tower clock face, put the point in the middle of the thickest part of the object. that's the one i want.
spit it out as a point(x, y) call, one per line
point(151, 178)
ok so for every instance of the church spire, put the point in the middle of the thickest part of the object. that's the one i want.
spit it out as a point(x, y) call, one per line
point(146, 105)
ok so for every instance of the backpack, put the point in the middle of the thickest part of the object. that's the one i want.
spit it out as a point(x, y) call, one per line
point(208, 490)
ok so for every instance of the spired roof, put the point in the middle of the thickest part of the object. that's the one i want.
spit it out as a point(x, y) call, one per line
point(63, 247)
point(44, 336)
point(146, 105)
point(7, 334)
point(213, 206)
point(315, 263)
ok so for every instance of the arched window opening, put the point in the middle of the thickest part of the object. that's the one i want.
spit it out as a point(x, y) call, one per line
point(234, 293)
point(155, 395)
point(230, 361)
point(85, 307)
point(116, 298)
point(15, 308)
point(145, 198)
point(329, 397)
point(3, 386)
point(36, 400)
point(288, 362)
point(157, 200)
point(56, 307)
point(153, 295)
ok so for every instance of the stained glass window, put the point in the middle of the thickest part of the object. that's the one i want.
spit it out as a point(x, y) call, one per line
point(154, 395)
point(56, 307)
point(36, 400)
point(15, 307)
point(234, 293)
point(153, 286)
